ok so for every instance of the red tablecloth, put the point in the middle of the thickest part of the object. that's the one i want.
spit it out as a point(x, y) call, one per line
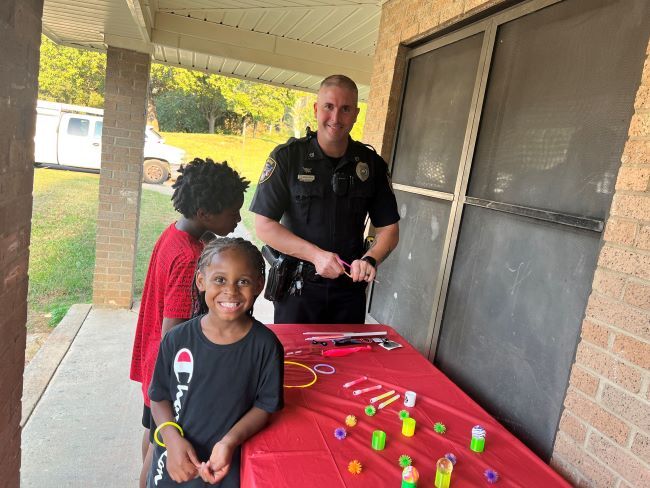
point(298, 449)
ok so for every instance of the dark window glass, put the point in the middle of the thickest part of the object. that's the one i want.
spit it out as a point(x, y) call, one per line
point(98, 129)
point(410, 274)
point(558, 105)
point(78, 127)
point(436, 106)
point(514, 308)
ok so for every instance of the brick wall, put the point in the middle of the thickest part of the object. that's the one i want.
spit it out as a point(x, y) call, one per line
point(20, 31)
point(604, 434)
point(120, 182)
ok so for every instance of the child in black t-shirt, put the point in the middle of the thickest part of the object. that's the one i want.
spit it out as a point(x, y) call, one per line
point(218, 376)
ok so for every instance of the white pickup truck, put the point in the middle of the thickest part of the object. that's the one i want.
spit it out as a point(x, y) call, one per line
point(71, 136)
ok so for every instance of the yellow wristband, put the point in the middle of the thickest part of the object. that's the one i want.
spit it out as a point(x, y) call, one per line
point(155, 434)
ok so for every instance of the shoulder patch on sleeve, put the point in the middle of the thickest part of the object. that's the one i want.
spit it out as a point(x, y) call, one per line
point(269, 167)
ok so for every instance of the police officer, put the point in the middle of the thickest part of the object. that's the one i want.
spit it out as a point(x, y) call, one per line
point(311, 203)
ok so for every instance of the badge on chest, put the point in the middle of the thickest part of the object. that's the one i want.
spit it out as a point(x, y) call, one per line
point(362, 170)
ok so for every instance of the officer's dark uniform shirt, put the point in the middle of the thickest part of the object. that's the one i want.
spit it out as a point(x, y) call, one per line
point(325, 204)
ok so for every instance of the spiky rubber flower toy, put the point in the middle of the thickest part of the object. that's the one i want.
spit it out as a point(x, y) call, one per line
point(355, 467)
point(350, 421)
point(370, 410)
point(403, 414)
point(491, 476)
point(340, 433)
point(440, 428)
point(404, 460)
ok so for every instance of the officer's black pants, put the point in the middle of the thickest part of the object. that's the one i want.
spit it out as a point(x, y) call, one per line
point(324, 302)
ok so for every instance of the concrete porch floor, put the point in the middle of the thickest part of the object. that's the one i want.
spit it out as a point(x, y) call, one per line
point(81, 412)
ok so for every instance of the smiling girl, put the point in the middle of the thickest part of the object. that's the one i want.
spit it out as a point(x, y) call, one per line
point(218, 377)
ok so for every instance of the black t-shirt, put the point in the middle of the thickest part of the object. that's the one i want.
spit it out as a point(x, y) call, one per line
point(211, 387)
point(298, 186)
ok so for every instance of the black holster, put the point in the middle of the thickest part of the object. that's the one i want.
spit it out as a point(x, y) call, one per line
point(281, 273)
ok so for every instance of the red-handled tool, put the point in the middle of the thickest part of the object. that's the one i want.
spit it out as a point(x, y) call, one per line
point(344, 351)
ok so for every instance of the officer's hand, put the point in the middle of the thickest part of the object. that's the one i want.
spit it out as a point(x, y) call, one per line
point(362, 271)
point(327, 265)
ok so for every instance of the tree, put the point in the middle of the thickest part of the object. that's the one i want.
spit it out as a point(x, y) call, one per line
point(69, 75)
point(176, 112)
point(207, 90)
point(302, 113)
point(260, 103)
point(161, 82)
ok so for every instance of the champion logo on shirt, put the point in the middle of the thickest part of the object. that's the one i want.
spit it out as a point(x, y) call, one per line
point(184, 363)
point(183, 370)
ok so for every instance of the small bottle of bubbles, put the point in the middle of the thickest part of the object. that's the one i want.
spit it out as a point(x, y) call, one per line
point(443, 473)
point(477, 444)
point(410, 477)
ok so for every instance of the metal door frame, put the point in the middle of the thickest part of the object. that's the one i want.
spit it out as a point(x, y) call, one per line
point(458, 198)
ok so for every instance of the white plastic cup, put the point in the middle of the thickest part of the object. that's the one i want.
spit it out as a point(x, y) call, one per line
point(409, 398)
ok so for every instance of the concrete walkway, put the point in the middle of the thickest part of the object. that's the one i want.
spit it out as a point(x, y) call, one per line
point(85, 430)
point(81, 413)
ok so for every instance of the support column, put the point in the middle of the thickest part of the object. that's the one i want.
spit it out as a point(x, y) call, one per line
point(120, 182)
point(20, 38)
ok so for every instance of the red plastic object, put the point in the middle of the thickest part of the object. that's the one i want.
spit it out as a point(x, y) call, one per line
point(344, 351)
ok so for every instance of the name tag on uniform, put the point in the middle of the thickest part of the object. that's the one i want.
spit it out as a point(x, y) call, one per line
point(306, 178)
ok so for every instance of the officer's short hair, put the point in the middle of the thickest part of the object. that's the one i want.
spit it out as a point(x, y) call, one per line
point(342, 81)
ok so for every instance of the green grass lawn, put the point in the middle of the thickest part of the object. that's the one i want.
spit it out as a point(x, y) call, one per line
point(246, 156)
point(62, 250)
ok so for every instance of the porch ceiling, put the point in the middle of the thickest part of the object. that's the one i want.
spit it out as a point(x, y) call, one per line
point(292, 43)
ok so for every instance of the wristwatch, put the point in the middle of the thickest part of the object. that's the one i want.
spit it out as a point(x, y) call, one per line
point(370, 260)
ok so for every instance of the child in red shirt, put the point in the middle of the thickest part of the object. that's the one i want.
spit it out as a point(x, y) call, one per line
point(209, 196)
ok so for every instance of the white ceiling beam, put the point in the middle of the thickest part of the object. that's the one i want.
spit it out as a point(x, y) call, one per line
point(255, 47)
point(135, 8)
point(128, 43)
point(240, 77)
point(50, 34)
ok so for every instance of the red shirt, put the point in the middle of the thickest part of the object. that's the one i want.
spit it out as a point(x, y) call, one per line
point(167, 293)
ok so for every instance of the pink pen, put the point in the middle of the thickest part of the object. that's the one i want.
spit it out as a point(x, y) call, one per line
point(343, 351)
point(372, 388)
point(349, 266)
point(354, 382)
point(343, 262)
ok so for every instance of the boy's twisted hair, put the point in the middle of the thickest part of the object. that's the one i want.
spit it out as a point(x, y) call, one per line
point(211, 186)
point(215, 247)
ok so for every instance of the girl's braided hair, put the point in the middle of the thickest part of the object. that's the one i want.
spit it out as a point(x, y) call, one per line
point(214, 187)
point(213, 248)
